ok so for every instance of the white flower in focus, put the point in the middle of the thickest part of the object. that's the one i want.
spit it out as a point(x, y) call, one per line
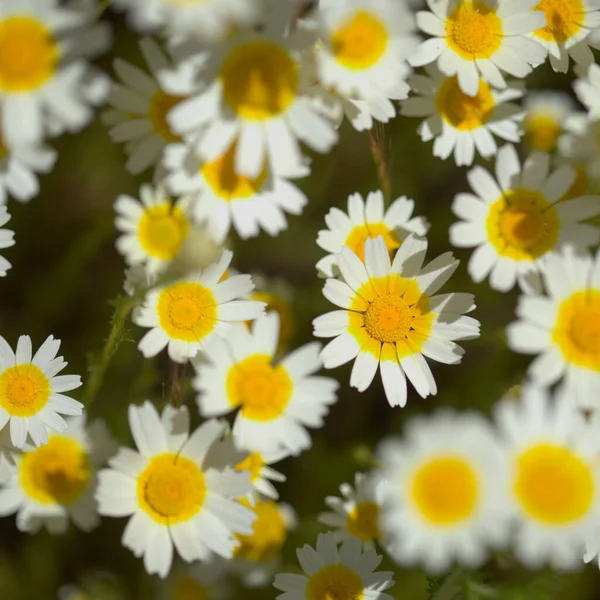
point(6, 240)
point(546, 113)
point(366, 220)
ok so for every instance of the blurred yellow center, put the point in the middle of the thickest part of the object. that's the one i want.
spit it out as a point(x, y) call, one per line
point(187, 588)
point(226, 183)
point(160, 105)
point(461, 111)
point(268, 536)
point(542, 131)
point(253, 463)
point(162, 230)
point(554, 485)
point(563, 19)
point(171, 489)
point(522, 225)
point(187, 311)
point(577, 329)
point(260, 389)
point(361, 41)
point(260, 80)
point(362, 522)
point(361, 233)
point(24, 390)
point(474, 30)
point(28, 54)
point(56, 473)
point(335, 582)
point(445, 490)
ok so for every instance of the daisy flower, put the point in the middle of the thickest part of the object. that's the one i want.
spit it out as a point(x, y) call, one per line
point(55, 483)
point(461, 123)
point(515, 220)
point(391, 319)
point(184, 315)
point(330, 572)
point(251, 95)
point(562, 326)
point(31, 397)
point(363, 221)
point(554, 483)
point(445, 493)
point(579, 147)
point(276, 401)
point(473, 38)
point(261, 473)
point(172, 493)
point(222, 198)
point(154, 228)
point(546, 113)
point(587, 89)
point(6, 240)
point(50, 85)
point(356, 514)
point(567, 23)
point(140, 107)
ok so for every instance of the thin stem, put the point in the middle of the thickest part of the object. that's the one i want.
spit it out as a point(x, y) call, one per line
point(451, 587)
point(176, 387)
point(377, 143)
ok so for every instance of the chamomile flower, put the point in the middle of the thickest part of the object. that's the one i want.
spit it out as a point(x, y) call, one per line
point(546, 113)
point(461, 123)
point(554, 483)
point(184, 315)
point(50, 86)
point(587, 89)
point(154, 228)
point(356, 514)
point(567, 23)
point(55, 483)
point(562, 326)
point(6, 240)
point(223, 199)
point(347, 572)
point(473, 38)
point(140, 107)
point(365, 220)
point(31, 391)
point(445, 495)
point(261, 473)
point(171, 491)
point(390, 318)
point(515, 220)
point(277, 401)
point(579, 146)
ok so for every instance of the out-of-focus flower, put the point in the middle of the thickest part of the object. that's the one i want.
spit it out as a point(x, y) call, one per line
point(546, 113)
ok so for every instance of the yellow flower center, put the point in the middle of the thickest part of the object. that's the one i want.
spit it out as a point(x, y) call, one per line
point(160, 105)
point(474, 30)
point(361, 233)
point(55, 473)
point(445, 490)
point(171, 489)
point(522, 225)
point(226, 183)
point(335, 582)
point(563, 19)
point(24, 390)
point(542, 131)
point(260, 80)
point(577, 330)
point(187, 588)
point(461, 111)
point(162, 230)
point(187, 311)
point(28, 54)
point(361, 41)
point(260, 389)
point(362, 522)
point(253, 463)
point(285, 311)
point(553, 485)
point(268, 536)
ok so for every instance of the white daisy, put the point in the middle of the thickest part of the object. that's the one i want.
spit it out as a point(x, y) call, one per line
point(184, 315)
point(347, 572)
point(261, 473)
point(31, 395)
point(461, 123)
point(55, 483)
point(515, 220)
point(277, 401)
point(6, 239)
point(171, 491)
point(223, 199)
point(474, 38)
point(546, 113)
point(44, 80)
point(563, 326)
point(365, 220)
point(554, 485)
point(390, 318)
point(445, 493)
point(587, 89)
point(579, 147)
point(356, 514)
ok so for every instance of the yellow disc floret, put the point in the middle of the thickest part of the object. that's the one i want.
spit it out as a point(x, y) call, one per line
point(162, 230)
point(269, 533)
point(362, 521)
point(563, 19)
point(160, 105)
point(542, 131)
point(461, 111)
point(24, 390)
point(361, 233)
point(474, 30)
point(253, 463)
point(335, 582)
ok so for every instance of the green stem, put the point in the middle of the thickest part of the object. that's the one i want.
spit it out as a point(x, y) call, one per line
point(451, 587)
point(380, 156)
